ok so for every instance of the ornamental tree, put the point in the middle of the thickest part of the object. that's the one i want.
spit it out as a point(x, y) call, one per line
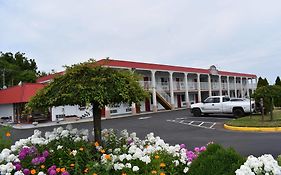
point(90, 83)
point(268, 93)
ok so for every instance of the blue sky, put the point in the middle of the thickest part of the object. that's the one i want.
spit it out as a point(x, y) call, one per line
point(235, 35)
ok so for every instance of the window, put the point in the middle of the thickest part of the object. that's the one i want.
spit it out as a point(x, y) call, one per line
point(216, 100)
point(225, 99)
point(209, 100)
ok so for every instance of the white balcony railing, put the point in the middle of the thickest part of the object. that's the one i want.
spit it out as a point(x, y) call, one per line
point(192, 86)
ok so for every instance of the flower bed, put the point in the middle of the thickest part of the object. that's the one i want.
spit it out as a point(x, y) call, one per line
point(68, 151)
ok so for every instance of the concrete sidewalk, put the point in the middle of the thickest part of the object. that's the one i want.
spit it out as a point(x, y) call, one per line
point(75, 120)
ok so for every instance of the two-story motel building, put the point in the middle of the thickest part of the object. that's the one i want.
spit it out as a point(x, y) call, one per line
point(170, 86)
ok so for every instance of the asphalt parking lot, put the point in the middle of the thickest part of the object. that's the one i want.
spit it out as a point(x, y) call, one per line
point(177, 127)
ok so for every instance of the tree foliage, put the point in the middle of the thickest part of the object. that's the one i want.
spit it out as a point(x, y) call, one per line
point(277, 81)
point(89, 83)
point(262, 82)
point(16, 67)
point(269, 94)
point(277, 101)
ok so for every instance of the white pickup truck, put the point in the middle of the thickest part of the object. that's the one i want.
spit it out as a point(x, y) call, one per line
point(223, 105)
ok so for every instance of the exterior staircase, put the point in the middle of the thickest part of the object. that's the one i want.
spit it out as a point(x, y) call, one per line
point(163, 101)
point(163, 98)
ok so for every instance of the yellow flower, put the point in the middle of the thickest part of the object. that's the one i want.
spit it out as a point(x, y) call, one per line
point(86, 170)
point(94, 174)
point(156, 157)
point(97, 144)
point(124, 174)
point(8, 134)
point(33, 171)
point(153, 172)
point(58, 170)
point(42, 166)
point(62, 170)
point(72, 165)
point(107, 156)
point(81, 149)
point(102, 151)
point(162, 165)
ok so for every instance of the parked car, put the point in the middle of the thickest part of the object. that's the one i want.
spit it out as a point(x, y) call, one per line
point(223, 105)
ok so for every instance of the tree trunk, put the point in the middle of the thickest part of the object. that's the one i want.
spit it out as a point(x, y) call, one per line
point(97, 122)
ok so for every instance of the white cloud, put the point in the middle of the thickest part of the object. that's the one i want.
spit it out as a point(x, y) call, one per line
point(235, 35)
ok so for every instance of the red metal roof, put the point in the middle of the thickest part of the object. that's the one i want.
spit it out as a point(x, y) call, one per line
point(19, 94)
point(48, 77)
point(151, 66)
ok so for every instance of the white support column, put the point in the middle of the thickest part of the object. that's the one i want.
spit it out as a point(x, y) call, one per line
point(134, 109)
point(154, 101)
point(252, 86)
point(241, 87)
point(247, 86)
point(107, 112)
point(186, 91)
point(228, 86)
point(235, 86)
point(199, 87)
point(172, 90)
point(256, 83)
point(210, 85)
point(220, 86)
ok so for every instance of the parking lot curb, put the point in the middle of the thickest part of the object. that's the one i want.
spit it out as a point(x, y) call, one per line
point(252, 129)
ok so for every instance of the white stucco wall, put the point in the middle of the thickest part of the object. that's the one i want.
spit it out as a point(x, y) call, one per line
point(71, 110)
point(6, 110)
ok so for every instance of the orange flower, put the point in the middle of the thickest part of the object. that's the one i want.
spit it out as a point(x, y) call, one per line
point(42, 166)
point(107, 156)
point(162, 165)
point(102, 151)
point(72, 165)
point(58, 170)
point(33, 171)
point(81, 149)
point(153, 172)
point(94, 174)
point(124, 174)
point(62, 170)
point(162, 173)
point(8, 134)
point(97, 144)
point(156, 157)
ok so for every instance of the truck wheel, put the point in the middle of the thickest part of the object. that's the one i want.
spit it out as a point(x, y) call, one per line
point(238, 113)
point(196, 112)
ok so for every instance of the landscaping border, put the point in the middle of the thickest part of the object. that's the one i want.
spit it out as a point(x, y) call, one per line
point(252, 129)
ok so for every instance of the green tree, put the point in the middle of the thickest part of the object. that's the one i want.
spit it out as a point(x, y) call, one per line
point(277, 101)
point(269, 93)
point(89, 83)
point(277, 81)
point(15, 68)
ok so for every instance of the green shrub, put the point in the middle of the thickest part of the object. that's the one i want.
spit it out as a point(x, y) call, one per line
point(5, 137)
point(216, 161)
point(279, 160)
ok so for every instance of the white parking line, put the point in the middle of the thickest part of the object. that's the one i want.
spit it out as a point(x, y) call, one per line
point(143, 118)
point(191, 123)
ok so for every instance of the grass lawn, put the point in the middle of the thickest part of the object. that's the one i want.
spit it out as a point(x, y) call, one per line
point(256, 120)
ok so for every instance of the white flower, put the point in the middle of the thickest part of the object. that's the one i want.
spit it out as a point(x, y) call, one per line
point(59, 147)
point(135, 168)
point(65, 133)
point(74, 152)
point(185, 170)
point(118, 166)
point(41, 173)
point(128, 165)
